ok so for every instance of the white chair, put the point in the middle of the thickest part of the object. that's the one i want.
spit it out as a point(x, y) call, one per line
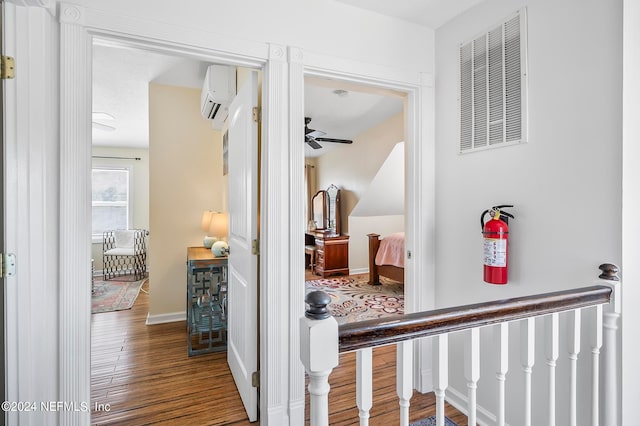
point(124, 252)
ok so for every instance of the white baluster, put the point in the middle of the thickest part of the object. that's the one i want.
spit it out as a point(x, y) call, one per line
point(527, 359)
point(472, 370)
point(610, 324)
point(551, 335)
point(596, 344)
point(441, 378)
point(501, 341)
point(573, 323)
point(364, 384)
point(319, 354)
point(404, 376)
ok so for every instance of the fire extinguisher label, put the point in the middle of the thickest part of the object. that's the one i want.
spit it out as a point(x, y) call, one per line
point(495, 252)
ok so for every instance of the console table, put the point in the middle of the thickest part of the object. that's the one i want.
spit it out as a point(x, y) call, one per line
point(332, 252)
point(206, 301)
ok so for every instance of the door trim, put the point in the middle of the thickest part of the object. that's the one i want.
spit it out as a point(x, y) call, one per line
point(31, 143)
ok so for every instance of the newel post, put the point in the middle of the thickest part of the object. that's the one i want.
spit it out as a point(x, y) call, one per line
point(610, 325)
point(318, 353)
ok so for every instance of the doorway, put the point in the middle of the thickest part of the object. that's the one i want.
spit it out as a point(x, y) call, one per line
point(373, 120)
point(354, 137)
point(176, 159)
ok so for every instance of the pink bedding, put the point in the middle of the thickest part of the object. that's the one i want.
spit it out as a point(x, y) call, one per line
point(391, 250)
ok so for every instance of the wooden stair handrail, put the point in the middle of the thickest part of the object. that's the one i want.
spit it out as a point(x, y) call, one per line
point(385, 331)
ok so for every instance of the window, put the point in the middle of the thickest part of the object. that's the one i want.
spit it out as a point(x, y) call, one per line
point(493, 86)
point(110, 199)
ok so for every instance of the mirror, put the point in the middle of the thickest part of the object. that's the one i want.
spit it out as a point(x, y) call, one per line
point(326, 210)
point(319, 210)
point(333, 201)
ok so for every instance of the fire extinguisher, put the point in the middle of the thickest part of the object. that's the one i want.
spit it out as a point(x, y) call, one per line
point(495, 233)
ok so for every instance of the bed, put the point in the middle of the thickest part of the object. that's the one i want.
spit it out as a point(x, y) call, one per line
point(386, 257)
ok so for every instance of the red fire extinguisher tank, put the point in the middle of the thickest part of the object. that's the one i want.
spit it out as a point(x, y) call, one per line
point(495, 234)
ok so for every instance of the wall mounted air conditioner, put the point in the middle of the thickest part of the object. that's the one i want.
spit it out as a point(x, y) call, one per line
point(218, 91)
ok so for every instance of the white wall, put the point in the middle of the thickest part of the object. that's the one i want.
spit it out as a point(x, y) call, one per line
point(565, 182)
point(341, 30)
point(631, 225)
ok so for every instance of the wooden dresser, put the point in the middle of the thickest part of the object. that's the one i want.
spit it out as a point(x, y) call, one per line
point(332, 253)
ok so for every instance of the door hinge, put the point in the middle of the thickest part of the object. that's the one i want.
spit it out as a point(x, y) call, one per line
point(255, 247)
point(7, 265)
point(7, 65)
point(255, 379)
point(257, 114)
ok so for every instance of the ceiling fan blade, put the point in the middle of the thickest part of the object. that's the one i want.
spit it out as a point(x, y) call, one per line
point(315, 133)
point(334, 140)
point(312, 143)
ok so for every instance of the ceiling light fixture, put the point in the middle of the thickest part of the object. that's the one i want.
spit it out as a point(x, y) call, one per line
point(102, 116)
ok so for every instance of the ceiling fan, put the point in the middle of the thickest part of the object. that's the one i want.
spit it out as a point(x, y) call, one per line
point(312, 137)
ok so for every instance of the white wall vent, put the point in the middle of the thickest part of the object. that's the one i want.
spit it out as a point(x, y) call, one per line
point(493, 86)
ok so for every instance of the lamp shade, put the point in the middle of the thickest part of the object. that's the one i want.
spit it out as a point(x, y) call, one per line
point(218, 225)
point(206, 220)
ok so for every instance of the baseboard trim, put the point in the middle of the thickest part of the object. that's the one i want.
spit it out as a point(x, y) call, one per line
point(484, 417)
point(165, 318)
point(100, 273)
point(426, 381)
point(358, 271)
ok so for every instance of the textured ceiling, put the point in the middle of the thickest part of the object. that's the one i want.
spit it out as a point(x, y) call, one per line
point(121, 79)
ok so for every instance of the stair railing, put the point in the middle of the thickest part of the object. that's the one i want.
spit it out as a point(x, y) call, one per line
point(322, 340)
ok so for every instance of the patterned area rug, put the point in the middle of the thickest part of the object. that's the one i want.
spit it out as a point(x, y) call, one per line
point(114, 295)
point(353, 299)
point(431, 421)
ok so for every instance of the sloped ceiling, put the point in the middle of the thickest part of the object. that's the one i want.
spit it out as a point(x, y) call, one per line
point(385, 195)
point(345, 110)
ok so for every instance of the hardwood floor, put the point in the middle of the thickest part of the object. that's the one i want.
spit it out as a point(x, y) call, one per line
point(141, 375)
point(144, 374)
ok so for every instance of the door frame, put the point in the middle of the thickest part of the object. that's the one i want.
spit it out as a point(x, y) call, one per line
point(419, 286)
point(281, 304)
point(31, 165)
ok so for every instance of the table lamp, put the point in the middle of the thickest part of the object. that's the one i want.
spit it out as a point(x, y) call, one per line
point(204, 225)
point(218, 226)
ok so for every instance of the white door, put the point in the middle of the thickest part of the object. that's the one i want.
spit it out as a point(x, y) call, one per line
point(242, 339)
